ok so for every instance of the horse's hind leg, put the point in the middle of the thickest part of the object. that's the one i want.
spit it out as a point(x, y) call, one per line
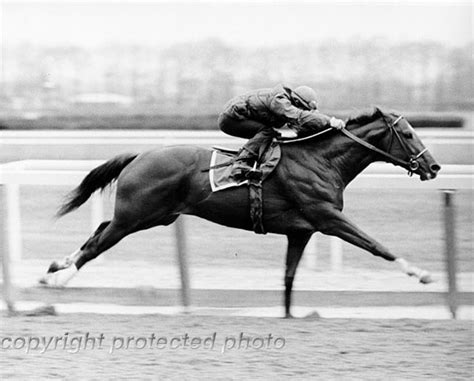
point(110, 233)
point(106, 235)
point(71, 258)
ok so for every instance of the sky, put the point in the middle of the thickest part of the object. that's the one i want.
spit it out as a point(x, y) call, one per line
point(240, 23)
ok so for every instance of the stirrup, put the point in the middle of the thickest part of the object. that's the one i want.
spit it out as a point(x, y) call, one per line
point(254, 175)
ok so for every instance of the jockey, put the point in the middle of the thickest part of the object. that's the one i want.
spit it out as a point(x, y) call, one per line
point(255, 115)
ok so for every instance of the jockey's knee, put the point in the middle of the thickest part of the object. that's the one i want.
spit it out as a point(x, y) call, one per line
point(242, 128)
point(229, 125)
point(225, 124)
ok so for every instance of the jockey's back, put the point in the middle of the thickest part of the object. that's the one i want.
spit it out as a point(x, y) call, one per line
point(271, 106)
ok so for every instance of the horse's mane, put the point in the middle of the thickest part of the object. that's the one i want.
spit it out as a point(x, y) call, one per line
point(365, 116)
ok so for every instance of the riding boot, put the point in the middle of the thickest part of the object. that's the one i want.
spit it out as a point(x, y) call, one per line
point(257, 146)
point(251, 154)
point(243, 163)
point(248, 154)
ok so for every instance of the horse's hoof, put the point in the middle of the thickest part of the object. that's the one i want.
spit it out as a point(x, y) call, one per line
point(42, 311)
point(288, 316)
point(53, 267)
point(313, 316)
point(426, 278)
point(59, 278)
point(50, 281)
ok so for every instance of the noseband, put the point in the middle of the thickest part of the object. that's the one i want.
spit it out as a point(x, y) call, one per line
point(411, 165)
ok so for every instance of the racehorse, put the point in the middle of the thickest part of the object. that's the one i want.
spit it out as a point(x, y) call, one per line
point(303, 195)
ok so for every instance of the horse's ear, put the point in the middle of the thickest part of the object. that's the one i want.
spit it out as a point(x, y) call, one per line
point(378, 111)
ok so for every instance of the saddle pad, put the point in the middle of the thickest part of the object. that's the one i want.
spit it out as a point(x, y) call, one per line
point(223, 178)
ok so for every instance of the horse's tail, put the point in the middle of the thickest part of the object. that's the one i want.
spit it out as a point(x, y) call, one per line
point(98, 178)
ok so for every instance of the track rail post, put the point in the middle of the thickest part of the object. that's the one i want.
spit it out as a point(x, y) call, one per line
point(182, 262)
point(13, 222)
point(311, 253)
point(450, 249)
point(97, 216)
point(336, 254)
point(5, 253)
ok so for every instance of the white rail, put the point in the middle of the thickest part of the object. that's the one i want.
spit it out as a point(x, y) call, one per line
point(430, 136)
point(71, 172)
point(424, 133)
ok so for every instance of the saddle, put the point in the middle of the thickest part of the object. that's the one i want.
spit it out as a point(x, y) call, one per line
point(224, 175)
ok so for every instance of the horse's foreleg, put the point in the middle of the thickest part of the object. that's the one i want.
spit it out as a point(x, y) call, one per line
point(338, 225)
point(296, 244)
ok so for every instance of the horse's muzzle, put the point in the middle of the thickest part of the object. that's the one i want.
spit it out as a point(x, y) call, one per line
point(431, 172)
point(435, 168)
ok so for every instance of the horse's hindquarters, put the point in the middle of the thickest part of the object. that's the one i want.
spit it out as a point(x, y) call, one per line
point(229, 207)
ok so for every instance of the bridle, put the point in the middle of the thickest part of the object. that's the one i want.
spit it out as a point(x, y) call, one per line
point(411, 165)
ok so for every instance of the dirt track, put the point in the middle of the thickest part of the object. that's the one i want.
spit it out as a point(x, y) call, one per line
point(313, 349)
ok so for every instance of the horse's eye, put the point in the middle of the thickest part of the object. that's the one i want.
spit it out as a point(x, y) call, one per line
point(408, 135)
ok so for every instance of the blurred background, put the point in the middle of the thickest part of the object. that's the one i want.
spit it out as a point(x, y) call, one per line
point(144, 61)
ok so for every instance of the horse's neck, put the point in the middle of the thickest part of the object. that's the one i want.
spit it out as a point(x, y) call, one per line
point(351, 160)
point(346, 158)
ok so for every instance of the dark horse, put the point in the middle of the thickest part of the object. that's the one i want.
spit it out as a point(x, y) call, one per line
point(302, 196)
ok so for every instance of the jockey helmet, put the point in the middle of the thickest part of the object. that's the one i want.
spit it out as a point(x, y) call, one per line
point(305, 97)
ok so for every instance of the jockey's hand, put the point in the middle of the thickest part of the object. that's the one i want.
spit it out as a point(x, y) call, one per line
point(338, 124)
point(288, 131)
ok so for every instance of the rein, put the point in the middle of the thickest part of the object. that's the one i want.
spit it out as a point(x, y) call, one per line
point(411, 165)
point(305, 137)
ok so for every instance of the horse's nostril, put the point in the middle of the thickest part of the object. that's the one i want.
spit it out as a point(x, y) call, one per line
point(435, 167)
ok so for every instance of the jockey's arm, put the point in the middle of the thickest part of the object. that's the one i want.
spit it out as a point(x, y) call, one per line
point(281, 106)
point(302, 121)
point(314, 121)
